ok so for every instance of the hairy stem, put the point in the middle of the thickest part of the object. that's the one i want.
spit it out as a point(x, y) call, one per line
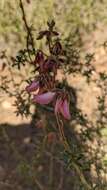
point(67, 148)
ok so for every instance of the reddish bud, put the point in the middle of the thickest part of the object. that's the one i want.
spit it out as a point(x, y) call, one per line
point(49, 64)
point(39, 57)
point(55, 33)
point(33, 86)
point(57, 48)
point(42, 34)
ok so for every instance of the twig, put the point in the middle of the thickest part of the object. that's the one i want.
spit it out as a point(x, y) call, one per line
point(28, 29)
point(39, 185)
point(51, 166)
point(49, 154)
point(61, 178)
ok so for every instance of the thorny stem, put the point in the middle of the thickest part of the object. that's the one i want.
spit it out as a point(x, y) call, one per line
point(67, 148)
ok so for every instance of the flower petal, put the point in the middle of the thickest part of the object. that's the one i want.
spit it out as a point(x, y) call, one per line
point(45, 98)
point(57, 105)
point(64, 109)
point(33, 86)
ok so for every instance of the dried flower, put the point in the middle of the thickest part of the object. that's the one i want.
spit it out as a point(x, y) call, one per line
point(42, 34)
point(57, 48)
point(39, 57)
point(49, 65)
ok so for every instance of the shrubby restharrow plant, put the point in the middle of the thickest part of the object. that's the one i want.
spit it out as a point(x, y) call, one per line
point(45, 91)
point(45, 84)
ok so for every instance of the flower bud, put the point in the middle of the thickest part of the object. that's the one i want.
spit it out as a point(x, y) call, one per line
point(33, 86)
point(42, 34)
point(57, 48)
point(51, 23)
point(39, 57)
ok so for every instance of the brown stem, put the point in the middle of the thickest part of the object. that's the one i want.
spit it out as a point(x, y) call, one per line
point(67, 147)
point(29, 34)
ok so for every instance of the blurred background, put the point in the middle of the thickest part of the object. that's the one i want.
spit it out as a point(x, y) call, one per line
point(84, 24)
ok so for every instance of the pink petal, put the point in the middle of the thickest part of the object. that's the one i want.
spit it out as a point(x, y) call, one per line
point(64, 109)
point(57, 105)
point(45, 98)
point(33, 86)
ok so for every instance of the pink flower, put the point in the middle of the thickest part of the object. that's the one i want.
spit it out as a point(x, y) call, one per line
point(33, 86)
point(65, 109)
point(62, 106)
point(58, 105)
point(44, 98)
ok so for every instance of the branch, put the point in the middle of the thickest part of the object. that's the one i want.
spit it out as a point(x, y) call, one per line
point(28, 29)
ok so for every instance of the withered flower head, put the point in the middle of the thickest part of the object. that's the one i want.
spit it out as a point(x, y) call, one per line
point(57, 48)
point(39, 57)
